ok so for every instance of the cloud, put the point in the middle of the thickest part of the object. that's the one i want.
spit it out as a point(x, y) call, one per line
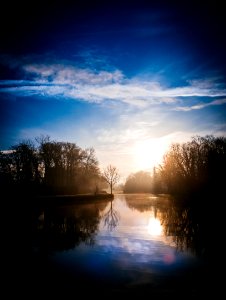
point(90, 85)
point(38, 88)
point(200, 106)
point(62, 74)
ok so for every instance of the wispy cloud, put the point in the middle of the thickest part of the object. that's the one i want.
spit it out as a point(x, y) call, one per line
point(71, 75)
point(86, 84)
point(200, 106)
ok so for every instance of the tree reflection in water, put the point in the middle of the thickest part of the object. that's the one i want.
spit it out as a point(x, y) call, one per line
point(190, 225)
point(111, 218)
point(178, 223)
point(65, 227)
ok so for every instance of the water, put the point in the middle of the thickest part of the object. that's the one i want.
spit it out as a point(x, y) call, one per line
point(133, 244)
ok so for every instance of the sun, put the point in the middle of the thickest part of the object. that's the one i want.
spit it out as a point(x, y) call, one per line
point(149, 153)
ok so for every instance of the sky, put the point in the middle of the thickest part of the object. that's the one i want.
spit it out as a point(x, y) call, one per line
point(128, 78)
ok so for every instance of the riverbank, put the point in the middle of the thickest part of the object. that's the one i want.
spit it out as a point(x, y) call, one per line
point(71, 199)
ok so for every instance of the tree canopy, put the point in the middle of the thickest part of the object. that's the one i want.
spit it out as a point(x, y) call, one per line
point(51, 167)
point(195, 166)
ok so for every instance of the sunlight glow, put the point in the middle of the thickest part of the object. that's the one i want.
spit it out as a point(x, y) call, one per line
point(149, 153)
point(154, 227)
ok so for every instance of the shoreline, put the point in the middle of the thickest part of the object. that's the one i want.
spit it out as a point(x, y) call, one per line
point(70, 199)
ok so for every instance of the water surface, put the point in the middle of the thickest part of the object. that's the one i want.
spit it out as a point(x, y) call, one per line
point(135, 243)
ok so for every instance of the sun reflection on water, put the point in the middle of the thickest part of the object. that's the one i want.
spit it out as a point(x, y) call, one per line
point(154, 227)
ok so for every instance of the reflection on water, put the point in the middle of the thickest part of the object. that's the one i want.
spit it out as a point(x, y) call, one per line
point(64, 227)
point(131, 242)
point(111, 217)
point(154, 227)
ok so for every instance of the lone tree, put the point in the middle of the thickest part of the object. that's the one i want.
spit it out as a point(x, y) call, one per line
point(111, 175)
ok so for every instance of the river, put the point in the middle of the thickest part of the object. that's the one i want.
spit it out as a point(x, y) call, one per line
point(135, 244)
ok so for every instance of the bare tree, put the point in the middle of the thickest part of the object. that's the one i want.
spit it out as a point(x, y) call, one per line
point(111, 176)
point(111, 218)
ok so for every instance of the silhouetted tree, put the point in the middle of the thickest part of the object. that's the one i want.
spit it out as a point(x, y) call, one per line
point(24, 159)
point(111, 176)
point(7, 170)
point(195, 166)
point(71, 156)
point(67, 167)
point(55, 167)
point(90, 172)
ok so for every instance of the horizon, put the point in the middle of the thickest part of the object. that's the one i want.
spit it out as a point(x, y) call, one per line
point(128, 79)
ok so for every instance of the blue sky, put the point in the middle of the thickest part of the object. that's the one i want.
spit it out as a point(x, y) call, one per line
point(125, 77)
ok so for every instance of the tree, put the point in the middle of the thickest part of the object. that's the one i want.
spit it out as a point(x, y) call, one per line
point(90, 173)
point(111, 176)
point(7, 169)
point(67, 168)
point(195, 166)
point(158, 185)
point(139, 182)
point(25, 162)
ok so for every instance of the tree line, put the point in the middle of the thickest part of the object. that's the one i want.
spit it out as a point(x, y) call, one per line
point(53, 167)
point(193, 167)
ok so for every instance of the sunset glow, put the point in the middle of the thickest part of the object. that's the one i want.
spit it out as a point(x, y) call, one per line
point(149, 153)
